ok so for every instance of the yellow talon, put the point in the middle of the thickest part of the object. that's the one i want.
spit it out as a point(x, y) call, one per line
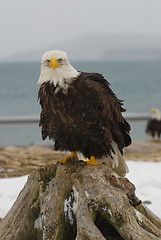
point(154, 139)
point(73, 154)
point(92, 161)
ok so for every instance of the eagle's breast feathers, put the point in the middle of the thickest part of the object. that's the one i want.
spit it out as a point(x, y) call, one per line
point(88, 108)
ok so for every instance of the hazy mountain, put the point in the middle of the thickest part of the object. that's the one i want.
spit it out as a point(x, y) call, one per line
point(133, 54)
point(101, 47)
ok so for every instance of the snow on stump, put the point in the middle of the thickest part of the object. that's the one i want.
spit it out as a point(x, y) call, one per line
point(78, 202)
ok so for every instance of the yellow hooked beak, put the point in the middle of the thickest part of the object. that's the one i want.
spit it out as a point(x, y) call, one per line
point(54, 63)
point(153, 110)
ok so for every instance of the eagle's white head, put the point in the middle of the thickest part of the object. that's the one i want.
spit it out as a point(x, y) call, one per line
point(56, 69)
point(156, 114)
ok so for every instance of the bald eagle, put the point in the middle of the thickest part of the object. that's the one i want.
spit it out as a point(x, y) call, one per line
point(153, 127)
point(80, 112)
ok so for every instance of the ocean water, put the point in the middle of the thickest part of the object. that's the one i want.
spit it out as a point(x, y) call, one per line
point(137, 83)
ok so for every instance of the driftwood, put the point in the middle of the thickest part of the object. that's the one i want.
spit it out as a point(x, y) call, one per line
point(78, 202)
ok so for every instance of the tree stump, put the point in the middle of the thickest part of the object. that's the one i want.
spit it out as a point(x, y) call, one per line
point(67, 202)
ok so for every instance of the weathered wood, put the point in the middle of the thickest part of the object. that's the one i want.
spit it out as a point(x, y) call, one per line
point(78, 202)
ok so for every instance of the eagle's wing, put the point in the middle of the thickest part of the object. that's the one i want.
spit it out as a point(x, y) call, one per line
point(153, 127)
point(109, 107)
point(46, 113)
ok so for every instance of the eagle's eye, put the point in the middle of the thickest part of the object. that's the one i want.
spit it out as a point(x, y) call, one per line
point(60, 60)
point(47, 61)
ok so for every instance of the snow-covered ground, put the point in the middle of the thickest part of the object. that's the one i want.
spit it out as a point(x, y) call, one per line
point(145, 175)
point(9, 190)
point(147, 178)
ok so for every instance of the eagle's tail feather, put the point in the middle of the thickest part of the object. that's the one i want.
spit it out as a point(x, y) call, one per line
point(118, 162)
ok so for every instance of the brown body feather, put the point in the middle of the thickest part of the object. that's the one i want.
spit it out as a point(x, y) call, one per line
point(154, 127)
point(85, 119)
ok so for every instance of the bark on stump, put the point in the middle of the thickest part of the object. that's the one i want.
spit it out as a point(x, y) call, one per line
point(78, 202)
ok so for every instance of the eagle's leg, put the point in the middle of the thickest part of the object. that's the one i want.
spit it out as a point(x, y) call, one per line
point(73, 155)
point(92, 161)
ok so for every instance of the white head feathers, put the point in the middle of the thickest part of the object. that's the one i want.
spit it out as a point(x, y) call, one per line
point(156, 114)
point(57, 70)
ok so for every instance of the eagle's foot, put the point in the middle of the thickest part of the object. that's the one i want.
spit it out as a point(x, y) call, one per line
point(154, 139)
point(73, 156)
point(81, 161)
point(92, 161)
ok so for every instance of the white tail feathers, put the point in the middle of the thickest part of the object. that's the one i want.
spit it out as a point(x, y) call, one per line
point(117, 161)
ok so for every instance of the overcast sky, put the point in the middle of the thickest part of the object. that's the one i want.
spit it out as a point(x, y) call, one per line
point(30, 24)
